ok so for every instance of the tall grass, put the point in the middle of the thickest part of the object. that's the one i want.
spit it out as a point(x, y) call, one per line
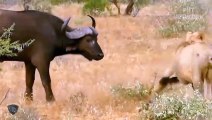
point(24, 114)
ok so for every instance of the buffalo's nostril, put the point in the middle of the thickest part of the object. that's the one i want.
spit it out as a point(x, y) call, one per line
point(101, 55)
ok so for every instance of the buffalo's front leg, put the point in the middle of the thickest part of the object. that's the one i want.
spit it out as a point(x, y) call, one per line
point(43, 69)
point(30, 77)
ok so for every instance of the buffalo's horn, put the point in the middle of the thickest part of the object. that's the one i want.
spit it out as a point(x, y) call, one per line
point(65, 24)
point(79, 32)
point(93, 21)
point(94, 30)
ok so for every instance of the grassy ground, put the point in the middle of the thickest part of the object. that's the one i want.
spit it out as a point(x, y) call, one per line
point(133, 53)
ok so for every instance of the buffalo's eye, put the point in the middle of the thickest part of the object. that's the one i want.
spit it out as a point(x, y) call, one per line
point(88, 40)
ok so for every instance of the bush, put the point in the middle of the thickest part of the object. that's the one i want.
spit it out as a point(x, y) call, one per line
point(8, 48)
point(176, 106)
point(56, 2)
point(39, 5)
point(188, 15)
point(94, 7)
point(138, 91)
point(143, 2)
point(77, 1)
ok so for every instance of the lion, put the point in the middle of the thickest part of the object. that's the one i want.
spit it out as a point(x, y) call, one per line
point(191, 38)
point(192, 64)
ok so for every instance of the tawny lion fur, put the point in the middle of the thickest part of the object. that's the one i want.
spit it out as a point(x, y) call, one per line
point(191, 38)
point(192, 64)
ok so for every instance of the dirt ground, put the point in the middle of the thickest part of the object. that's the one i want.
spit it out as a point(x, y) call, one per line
point(133, 52)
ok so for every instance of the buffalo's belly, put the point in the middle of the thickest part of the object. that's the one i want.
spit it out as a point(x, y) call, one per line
point(14, 58)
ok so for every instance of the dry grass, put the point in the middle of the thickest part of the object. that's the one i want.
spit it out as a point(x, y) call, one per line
point(133, 52)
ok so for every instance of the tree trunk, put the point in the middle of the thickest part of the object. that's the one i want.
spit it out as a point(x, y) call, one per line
point(115, 2)
point(26, 4)
point(129, 8)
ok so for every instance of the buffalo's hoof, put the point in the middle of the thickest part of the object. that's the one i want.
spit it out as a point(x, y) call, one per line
point(28, 98)
point(28, 101)
point(50, 99)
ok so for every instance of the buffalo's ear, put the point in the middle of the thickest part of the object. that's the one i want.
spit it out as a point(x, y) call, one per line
point(65, 24)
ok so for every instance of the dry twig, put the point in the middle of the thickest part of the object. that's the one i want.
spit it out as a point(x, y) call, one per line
point(5, 96)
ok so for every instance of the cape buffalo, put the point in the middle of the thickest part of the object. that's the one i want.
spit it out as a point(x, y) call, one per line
point(192, 64)
point(53, 37)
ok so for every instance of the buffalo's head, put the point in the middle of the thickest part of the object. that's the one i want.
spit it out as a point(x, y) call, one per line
point(85, 41)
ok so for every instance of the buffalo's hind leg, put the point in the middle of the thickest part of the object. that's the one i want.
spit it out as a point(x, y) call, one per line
point(30, 77)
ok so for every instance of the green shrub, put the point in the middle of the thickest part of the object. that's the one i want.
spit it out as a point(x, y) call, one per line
point(77, 1)
point(142, 2)
point(56, 2)
point(137, 91)
point(188, 15)
point(8, 48)
point(94, 7)
point(175, 106)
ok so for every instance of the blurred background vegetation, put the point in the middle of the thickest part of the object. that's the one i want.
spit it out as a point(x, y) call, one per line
point(188, 15)
point(185, 15)
point(94, 7)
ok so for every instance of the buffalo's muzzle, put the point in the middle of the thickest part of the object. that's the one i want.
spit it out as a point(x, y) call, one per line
point(99, 56)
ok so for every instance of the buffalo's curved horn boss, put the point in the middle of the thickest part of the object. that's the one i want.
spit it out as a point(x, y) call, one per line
point(82, 31)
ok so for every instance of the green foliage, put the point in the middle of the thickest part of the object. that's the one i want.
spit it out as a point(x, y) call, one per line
point(97, 7)
point(8, 48)
point(5, 45)
point(142, 2)
point(94, 7)
point(77, 1)
point(176, 106)
point(188, 15)
point(138, 91)
point(136, 1)
point(172, 105)
point(56, 2)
